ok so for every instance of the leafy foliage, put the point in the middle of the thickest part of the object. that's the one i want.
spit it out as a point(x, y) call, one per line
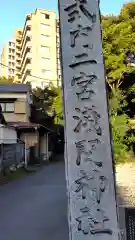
point(118, 44)
point(47, 104)
point(4, 80)
point(57, 105)
point(43, 98)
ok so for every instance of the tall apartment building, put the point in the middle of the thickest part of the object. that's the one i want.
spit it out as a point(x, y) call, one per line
point(8, 59)
point(17, 40)
point(58, 54)
point(1, 66)
point(36, 50)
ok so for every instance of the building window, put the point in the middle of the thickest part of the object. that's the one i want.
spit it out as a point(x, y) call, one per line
point(7, 107)
point(11, 44)
point(2, 106)
point(45, 49)
point(44, 37)
point(11, 71)
point(45, 26)
point(45, 83)
point(45, 72)
point(45, 60)
point(18, 54)
point(47, 16)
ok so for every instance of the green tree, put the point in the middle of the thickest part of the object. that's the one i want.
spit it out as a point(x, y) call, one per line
point(128, 11)
point(118, 43)
point(43, 98)
point(58, 106)
point(120, 127)
point(4, 80)
point(47, 104)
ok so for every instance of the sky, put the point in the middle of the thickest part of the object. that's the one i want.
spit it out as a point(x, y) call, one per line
point(13, 13)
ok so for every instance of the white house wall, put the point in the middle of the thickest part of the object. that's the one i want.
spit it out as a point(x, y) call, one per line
point(8, 135)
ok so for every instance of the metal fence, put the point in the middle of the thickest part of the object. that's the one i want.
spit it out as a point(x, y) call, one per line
point(12, 155)
point(130, 223)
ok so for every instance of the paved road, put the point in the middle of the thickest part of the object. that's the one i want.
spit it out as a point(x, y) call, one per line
point(35, 207)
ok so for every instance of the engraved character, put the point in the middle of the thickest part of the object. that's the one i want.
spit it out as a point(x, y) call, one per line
point(77, 9)
point(92, 222)
point(80, 31)
point(84, 220)
point(82, 150)
point(82, 62)
point(95, 185)
point(88, 119)
point(84, 81)
point(98, 223)
point(83, 184)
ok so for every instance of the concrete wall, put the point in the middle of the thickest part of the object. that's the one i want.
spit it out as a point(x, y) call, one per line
point(7, 135)
point(21, 107)
point(30, 139)
point(44, 146)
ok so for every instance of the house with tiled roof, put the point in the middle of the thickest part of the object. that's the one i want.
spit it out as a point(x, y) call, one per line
point(15, 101)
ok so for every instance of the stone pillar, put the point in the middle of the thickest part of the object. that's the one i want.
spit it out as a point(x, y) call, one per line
point(88, 156)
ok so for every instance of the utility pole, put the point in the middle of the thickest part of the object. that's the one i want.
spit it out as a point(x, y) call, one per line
point(89, 165)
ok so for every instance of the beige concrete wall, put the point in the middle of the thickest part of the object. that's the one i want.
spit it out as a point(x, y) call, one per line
point(7, 135)
point(44, 146)
point(5, 60)
point(21, 107)
point(30, 139)
point(12, 117)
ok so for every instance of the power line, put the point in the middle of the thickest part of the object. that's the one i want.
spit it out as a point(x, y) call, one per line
point(31, 75)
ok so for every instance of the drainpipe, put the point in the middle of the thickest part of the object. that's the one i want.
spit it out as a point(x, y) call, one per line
point(47, 146)
point(25, 153)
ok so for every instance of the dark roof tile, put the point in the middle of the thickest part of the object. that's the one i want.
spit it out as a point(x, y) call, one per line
point(15, 88)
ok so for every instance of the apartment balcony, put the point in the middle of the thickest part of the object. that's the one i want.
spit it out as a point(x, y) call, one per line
point(18, 45)
point(18, 63)
point(25, 60)
point(26, 72)
point(26, 49)
point(26, 29)
point(18, 50)
point(19, 37)
point(25, 63)
point(18, 56)
point(18, 73)
point(25, 41)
